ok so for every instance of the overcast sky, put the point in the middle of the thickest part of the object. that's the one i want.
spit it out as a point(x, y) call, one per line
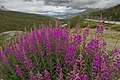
point(55, 7)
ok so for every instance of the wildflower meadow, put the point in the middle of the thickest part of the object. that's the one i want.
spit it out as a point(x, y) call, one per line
point(56, 53)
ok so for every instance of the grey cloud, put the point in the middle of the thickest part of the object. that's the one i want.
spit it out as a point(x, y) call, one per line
point(56, 7)
point(84, 3)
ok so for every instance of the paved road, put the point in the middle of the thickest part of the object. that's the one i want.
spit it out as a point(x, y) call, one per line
point(112, 22)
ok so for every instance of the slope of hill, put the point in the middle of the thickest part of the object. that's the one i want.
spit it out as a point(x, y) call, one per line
point(10, 20)
point(85, 14)
point(2, 8)
point(112, 13)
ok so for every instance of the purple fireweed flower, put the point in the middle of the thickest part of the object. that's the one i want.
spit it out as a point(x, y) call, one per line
point(78, 77)
point(49, 31)
point(38, 42)
point(33, 35)
point(115, 60)
point(59, 48)
point(100, 66)
point(39, 50)
point(85, 77)
point(116, 55)
point(38, 35)
point(34, 78)
point(78, 69)
point(32, 43)
point(70, 54)
point(86, 32)
point(103, 44)
point(96, 60)
point(77, 40)
point(116, 51)
point(118, 64)
point(65, 35)
point(31, 49)
point(22, 42)
point(60, 76)
point(97, 64)
point(11, 50)
point(31, 78)
point(77, 29)
point(26, 43)
point(99, 78)
point(56, 35)
point(8, 49)
point(3, 57)
point(48, 45)
point(26, 35)
point(18, 70)
point(104, 56)
point(58, 69)
point(104, 70)
point(27, 63)
point(46, 75)
point(105, 78)
point(92, 46)
point(19, 51)
point(43, 34)
point(99, 30)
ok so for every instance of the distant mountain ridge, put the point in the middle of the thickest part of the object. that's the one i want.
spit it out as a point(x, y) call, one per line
point(87, 12)
point(112, 13)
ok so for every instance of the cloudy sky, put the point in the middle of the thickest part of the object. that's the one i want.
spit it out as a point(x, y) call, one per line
point(56, 7)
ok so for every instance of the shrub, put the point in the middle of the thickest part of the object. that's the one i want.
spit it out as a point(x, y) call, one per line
point(58, 54)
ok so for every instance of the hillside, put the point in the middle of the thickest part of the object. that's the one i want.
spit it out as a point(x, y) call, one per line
point(10, 20)
point(113, 12)
point(85, 14)
point(2, 8)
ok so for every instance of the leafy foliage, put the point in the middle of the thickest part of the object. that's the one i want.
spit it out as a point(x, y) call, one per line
point(57, 54)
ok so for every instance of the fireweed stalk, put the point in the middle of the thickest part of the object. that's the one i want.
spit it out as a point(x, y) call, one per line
point(35, 56)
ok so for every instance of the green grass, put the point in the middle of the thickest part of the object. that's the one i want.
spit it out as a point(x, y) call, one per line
point(19, 21)
point(116, 27)
point(112, 37)
point(83, 23)
point(10, 20)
